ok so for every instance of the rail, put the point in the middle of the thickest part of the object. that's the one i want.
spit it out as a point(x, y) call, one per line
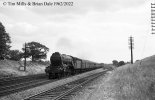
point(61, 91)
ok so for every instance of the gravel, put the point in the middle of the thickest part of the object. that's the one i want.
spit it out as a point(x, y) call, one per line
point(92, 91)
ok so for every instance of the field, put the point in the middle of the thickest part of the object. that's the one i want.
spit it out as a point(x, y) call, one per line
point(9, 68)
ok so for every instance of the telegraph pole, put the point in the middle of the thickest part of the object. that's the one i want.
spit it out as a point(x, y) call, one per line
point(25, 58)
point(131, 47)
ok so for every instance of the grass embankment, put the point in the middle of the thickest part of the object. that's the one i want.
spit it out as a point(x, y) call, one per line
point(132, 82)
point(9, 68)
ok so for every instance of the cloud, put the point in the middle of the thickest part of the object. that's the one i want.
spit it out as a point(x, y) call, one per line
point(65, 45)
point(89, 30)
point(63, 13)
point(75, 47)
point(86, 6)
point(64, 42)
point(84, 55)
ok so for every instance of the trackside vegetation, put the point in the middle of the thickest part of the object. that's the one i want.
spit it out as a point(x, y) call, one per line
point(132, 81)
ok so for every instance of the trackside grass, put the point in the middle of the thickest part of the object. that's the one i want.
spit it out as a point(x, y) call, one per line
point(9, 68)
point(131, 82)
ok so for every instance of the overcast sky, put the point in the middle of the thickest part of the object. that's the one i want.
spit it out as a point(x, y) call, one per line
point(97, 30)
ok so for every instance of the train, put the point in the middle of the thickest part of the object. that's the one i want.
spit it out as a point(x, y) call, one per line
point(63, 65)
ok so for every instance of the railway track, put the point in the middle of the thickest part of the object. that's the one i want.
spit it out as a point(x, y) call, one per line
point(17, 84)
point(63, 92)
point(13, 80)
point(8, 86)
point(22, 86)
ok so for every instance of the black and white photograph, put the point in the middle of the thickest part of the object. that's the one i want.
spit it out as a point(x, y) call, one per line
point(77, 50)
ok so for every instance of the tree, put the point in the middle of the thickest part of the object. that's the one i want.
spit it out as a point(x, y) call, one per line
point(121, 63)
point(15, 55)
point(4, 42)
point(115, 63)
point(36, 51)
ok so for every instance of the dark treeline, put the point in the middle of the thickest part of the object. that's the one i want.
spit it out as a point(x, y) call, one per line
point(118, 63)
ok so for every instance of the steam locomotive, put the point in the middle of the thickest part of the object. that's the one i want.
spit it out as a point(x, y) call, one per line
point(62, 65)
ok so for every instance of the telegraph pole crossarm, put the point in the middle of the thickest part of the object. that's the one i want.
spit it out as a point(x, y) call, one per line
point(153, 18)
